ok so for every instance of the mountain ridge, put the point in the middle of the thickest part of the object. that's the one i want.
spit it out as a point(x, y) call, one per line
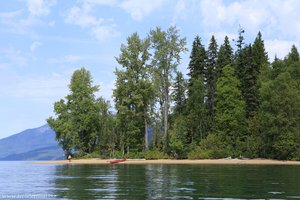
point(27, 145)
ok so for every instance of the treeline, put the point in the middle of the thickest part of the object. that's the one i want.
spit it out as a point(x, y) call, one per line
point(233, 102)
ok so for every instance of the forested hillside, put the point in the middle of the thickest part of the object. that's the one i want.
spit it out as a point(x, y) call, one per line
point(232, 102)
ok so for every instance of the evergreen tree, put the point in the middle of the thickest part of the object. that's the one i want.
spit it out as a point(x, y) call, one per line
point(225, 56)
point(211, 79)
point(178, 117)
point(278, 67)
point(293, 56)
point(179, 94)
point(167, 47)
point(196, 92)
point(239, 57)
point(197, 62)
point(249, 82)
point(230, 110)
point(253, 68)
point(260, 56)
point(196, 112)
point(240, 42)
point(248, 63)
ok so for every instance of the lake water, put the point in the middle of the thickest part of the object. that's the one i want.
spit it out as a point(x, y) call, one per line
point(22, 180)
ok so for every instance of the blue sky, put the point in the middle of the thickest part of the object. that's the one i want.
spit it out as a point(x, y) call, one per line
point(43, 41)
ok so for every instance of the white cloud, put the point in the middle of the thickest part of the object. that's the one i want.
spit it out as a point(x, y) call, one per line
point(220, 36)
point(40, 88)
point(9, 15)
point(180, 10)
point(138, 9)
point(40, 7)
point(13, 57)
point(106, 90)
point(83, 16)
point(34, 46)
point(10, 19)
point(277, 20)
point(272, 16)
point(102, 2)
point(217, 14)
point(72, 58)
point(44, 89)
point(3, 65)
point(103, 33)
point(66, 59)
point(280, 48)
point(22, 21)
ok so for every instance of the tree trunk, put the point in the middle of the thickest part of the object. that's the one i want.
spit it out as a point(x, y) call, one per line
point(166, 109)
point(146, 133)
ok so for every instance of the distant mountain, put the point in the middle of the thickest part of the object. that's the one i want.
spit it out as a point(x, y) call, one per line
point(32, 144)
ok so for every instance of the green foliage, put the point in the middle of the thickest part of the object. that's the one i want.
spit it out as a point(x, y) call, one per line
point(198, 58)
point(178, 138)
point(154, 154)
point(134, 93)
point(225, 56)
point(260, 56)
point(195, 109)
point(167, 47)
point(91, 155)
point(279, 117)
point(230, 109)
point(230, 105)
point(196, 117)
point(78, 123)
point(248, 63)
point(117, 154)
point(293, 56)
point(211, 80)
point(179, 93)
point(240, 41)
point(135, 155)
point(248, 73)
point(199, 154)
point(213, 147)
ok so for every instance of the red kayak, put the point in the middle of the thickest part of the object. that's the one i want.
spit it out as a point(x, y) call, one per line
point(116, 161)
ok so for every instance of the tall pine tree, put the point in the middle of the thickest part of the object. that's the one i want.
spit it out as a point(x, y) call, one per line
point(196, 91)
point(197, 61)
point(179, 94)
point(225, 56)
point(211, 80)
point(230, 110)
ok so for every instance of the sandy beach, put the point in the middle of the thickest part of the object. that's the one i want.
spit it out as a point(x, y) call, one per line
point(166, 161)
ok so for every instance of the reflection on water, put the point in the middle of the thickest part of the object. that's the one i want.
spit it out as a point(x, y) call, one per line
point(21, 180)
point(176, 182)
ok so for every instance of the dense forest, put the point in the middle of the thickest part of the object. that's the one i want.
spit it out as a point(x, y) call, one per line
point(233, 102)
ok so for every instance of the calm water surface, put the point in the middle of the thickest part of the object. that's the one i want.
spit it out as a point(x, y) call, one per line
point(22, 180)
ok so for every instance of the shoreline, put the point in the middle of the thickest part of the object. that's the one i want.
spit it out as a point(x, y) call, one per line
point(169, 161)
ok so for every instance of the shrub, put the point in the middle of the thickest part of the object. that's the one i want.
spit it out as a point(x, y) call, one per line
point(213, 147)
point(198, 154)
point(81, 155)
point(154, 154)
point(135, 155)
point(116, 154)
point(92, 155)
